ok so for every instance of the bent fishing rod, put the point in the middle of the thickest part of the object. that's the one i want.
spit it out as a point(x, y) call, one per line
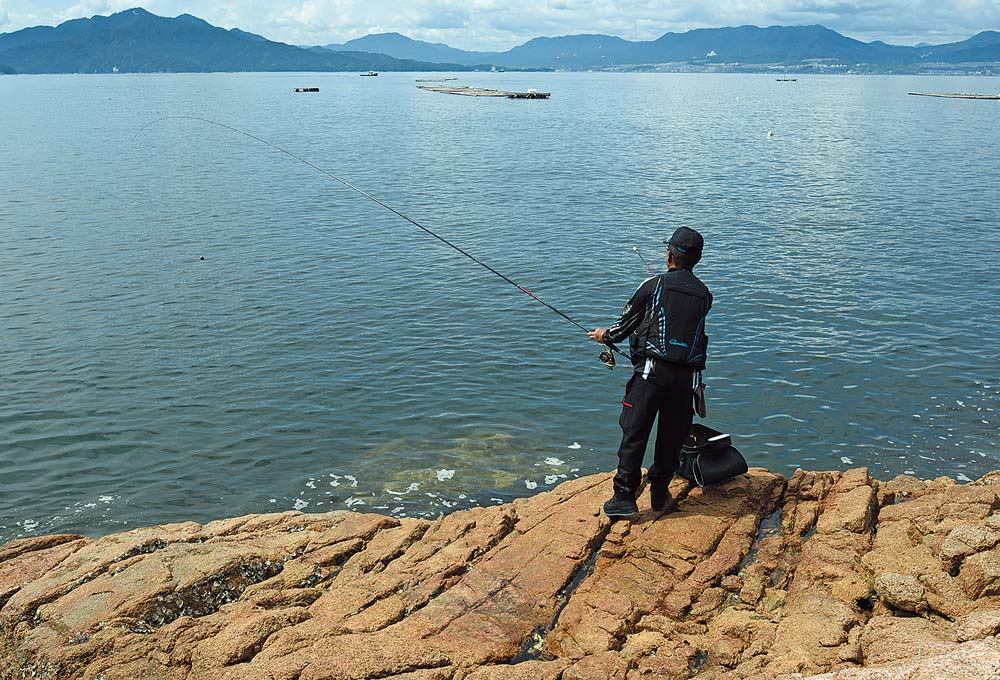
point(607, 356)
point(635, 249)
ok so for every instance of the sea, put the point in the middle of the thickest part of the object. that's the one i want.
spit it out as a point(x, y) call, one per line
point(195, 325)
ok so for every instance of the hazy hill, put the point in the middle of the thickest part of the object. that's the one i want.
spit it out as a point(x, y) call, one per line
point(984, 46)
point(137, 41)
point(744, 44)
point(572, 51)
point(750, 44)
point(402, 47)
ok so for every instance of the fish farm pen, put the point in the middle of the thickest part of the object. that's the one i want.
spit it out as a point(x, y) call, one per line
point(955, 95)
point(484, 92)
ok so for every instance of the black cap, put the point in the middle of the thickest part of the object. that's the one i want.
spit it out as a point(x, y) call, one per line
point(687, 241)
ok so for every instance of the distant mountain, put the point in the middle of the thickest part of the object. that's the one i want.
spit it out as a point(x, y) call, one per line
point(983, 46)
point(743, 44)
point(572, 52)
point(775, 44)
point(401, 47)
point(137, 41)
point(581, 51)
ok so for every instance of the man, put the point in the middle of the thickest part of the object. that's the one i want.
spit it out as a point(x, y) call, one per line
point(665, 321)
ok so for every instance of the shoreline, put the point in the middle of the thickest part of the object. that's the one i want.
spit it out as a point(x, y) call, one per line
point(762, 577)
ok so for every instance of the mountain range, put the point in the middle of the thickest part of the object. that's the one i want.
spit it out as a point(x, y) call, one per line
point(743, 44)
point(135, 40)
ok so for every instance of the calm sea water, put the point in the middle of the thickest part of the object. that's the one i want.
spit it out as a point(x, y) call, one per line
point(325, 354)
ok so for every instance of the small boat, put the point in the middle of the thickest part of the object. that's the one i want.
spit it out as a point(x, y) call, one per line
point(370, 73)
point(786, 80)
point(307, 89)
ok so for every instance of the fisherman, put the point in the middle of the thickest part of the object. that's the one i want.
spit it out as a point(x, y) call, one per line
point(665, 322)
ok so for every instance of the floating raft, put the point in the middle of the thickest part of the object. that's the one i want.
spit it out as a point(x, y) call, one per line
point(483, 92)
point(434, 80)
point(307, 89)
point(955, 95)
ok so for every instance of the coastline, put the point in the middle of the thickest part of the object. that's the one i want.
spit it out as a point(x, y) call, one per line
point(824, 574)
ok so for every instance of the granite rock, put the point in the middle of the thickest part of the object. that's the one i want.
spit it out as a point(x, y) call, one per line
point(831, 575)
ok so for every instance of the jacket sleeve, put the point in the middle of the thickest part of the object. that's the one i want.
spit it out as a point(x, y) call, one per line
point(632, 315)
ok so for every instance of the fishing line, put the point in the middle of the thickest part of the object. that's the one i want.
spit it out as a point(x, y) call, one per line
point(606, 357)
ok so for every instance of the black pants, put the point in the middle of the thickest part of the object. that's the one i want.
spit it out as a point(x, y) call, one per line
point(668, 396)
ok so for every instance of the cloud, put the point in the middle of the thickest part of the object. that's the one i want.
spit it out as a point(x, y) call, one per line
point(89, 8)
point(501, 24)
point(445, 20)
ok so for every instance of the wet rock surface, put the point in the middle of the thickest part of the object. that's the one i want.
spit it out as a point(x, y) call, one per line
point(824, 575)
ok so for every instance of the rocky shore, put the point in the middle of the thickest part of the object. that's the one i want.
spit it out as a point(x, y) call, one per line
point(824, 575)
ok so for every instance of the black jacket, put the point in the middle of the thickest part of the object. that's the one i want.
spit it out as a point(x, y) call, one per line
point(666, 321)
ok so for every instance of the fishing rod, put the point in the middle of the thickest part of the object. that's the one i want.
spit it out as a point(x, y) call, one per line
point(607, 356)
point(635, 249)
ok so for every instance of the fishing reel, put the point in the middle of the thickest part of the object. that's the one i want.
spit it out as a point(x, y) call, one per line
point(607, 357)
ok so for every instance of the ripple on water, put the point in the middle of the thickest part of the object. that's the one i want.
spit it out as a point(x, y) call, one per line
point(326, 353)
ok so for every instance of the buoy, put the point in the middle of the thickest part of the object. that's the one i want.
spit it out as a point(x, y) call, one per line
point(202, 257)
point(770, 133)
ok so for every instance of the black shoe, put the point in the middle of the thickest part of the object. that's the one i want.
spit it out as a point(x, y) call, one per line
point(659, 497)
point(621, 507)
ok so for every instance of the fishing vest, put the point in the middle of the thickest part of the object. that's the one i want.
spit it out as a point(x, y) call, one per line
point(673, 328)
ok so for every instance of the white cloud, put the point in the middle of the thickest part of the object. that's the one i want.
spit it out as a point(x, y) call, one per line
point(89, 8)
point(501, 24)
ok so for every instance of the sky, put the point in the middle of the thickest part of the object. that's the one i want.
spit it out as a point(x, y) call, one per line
point(502, 24)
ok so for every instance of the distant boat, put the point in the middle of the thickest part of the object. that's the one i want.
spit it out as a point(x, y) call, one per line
point(370, 73)
point(786, 80)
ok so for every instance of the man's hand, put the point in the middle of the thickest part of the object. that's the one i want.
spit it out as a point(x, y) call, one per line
point(597, 334)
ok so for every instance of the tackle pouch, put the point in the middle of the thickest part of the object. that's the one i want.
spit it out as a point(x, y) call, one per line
point(698, 395)
point(709, 457)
